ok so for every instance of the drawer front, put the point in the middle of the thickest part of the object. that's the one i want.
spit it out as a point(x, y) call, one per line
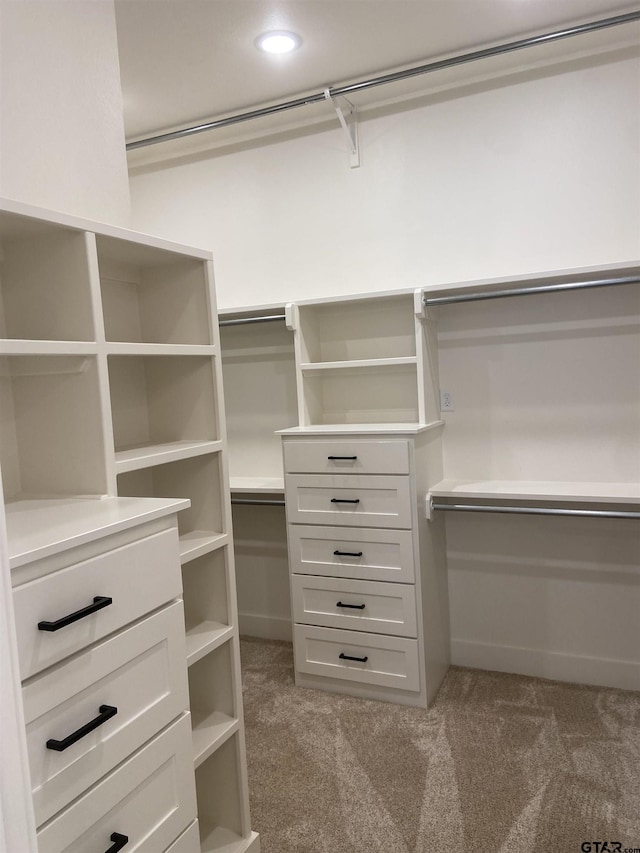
point(348, 499)
point(189, 841)
point(150, 799)
point(368, 554)
point(390, 661)
point(344, 456)
point(384, 608)
point(141, 672)
point(138, 577)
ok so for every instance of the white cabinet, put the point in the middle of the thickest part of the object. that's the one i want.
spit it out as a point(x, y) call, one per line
point(111, 395)
point(368, 580)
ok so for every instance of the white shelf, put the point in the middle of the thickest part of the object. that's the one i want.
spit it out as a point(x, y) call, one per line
point(257, 485)
point(143, 456)
point(538, 490)
point(200, 542)
point(371, 429)
point(29, 347)
point(221, 840)
point(209, 732)
point(359, 364)
point(40, 528)
point(160, 349)
point(204, 638)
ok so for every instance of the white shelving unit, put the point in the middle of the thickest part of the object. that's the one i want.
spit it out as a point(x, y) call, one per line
point(111, 385)
point(362, 360)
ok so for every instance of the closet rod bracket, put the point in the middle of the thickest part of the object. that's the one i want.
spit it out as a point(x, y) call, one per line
point(348, 118)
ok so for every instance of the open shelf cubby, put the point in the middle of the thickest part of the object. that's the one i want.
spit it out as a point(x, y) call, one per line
point(207, 606)
point(214, 716)
point(357, 330)
point(219, 802)
point(44, 282)
point(161, 400)
point(151, 295)
point(200, 480)
point(384, 394)
point(258, 367)
point(51, 432)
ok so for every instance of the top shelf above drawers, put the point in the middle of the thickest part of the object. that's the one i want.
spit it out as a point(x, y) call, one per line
point(346, 456)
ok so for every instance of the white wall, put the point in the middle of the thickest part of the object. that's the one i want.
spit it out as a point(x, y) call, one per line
point(61, 125)
point(539, 173)
point(531, 174)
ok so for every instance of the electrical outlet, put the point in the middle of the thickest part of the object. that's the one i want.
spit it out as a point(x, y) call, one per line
point(446, 401)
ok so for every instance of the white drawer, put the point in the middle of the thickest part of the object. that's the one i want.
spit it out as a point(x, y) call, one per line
point(384, 661)
point(138, 577)
point(345, 456)
point(368, 554)
point(141, 672)
point(367, 501)
point(150, 799)
point(189, 841)
point(384, 608)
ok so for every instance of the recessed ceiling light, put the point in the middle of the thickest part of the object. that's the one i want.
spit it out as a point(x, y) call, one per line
point(278, 41)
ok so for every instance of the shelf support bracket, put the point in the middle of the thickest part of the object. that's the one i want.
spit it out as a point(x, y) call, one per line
point(348, 118)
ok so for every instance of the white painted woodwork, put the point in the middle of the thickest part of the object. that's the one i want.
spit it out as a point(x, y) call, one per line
point(150, 798)
point(391, 661)
point(539, 490)
point(386, 608)
point(188, 842)
point(140, 671)
point(41, 529)
point(409, 673)
point(373, 457)
point(382, 501)
point(111, 384)
point(138, 577)
point(387, 555)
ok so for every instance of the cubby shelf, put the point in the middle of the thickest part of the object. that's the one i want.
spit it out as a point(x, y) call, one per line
point(160, 349)
point(210, 730)
point(28, 347)
point(143, 456)
point(199, 542)
point(359, 364)
point(205, 638)
point(221, 840)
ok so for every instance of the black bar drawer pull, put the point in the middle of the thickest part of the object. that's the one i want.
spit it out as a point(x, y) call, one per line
point(99, 602)
point(106, 712)
point(352, 606)
point(348, 657)
point(350, 458)
point(347, 553)
point(345, 500)
point(119, 841)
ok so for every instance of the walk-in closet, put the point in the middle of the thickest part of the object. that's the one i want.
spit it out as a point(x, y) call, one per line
point(319, 426)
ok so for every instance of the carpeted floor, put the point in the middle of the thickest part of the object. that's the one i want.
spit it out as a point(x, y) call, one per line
point(499, 764)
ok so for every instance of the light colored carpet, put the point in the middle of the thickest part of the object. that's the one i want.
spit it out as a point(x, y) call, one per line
point(499, 764)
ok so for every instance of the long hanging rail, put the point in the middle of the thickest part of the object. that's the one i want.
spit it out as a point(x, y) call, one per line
point(529, 291)
point(239, 321)
point(393, 77)
point(532, 510)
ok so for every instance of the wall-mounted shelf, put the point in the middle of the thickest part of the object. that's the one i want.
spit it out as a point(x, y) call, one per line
point(144, 456)
point(600, 493)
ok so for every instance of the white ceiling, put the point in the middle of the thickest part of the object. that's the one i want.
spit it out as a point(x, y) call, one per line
point(186, 61)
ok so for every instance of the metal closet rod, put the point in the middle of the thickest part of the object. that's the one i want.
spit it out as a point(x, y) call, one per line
point(532, 510)
point(438, 65)
point(529, 291)
point(258, 502)
point(239, 321)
